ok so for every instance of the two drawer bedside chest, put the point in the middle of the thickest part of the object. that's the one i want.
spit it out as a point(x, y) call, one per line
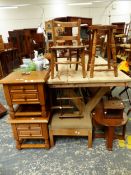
point(26, 98)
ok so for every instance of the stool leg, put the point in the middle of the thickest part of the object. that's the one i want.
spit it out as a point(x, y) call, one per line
point(110, 137)
point(90, 52)
point(123, 131)
point(109, 49)
point(83, 62)
point(93, 54)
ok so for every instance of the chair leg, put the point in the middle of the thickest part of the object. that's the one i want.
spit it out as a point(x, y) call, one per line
point(51, 138)
point(113, 49)
point(78, 55)
point(93, 54)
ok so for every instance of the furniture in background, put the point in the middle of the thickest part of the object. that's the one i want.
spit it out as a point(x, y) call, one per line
point(26, 98)
point(67, 46)
point(120, 27)
point(9, 60)
point(1, 43)
point(27, 40)
point(111, 63)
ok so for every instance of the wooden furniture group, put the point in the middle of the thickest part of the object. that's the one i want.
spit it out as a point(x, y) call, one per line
point(35, 122)
point(65, 126)
point(26, 98)
point(29, 113)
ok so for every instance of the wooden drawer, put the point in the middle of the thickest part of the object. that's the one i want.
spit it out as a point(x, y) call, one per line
point(28, 126)
point(23, 88)
point(24, 97)
point(72, 132)
point(30, 133)
point(29, 130)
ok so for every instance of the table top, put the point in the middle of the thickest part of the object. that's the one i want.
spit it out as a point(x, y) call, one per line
point(68, 77)
point(33, 77)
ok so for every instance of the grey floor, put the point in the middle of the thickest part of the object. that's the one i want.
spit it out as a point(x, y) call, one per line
point(69, 156)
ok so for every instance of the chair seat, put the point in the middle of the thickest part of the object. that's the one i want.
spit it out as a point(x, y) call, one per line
point(80, 123)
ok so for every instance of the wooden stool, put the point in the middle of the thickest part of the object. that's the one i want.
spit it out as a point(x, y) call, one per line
point(108, 30)
point(70, 127)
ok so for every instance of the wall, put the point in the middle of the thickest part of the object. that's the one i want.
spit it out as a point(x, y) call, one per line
point(32, 16)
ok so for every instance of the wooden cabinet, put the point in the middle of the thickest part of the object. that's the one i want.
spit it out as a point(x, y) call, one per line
point(27, 40)
point(120, 27)
point(26, 98)
point(9, 60)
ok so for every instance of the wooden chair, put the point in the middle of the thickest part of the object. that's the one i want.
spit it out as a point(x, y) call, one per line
point(111, 50)
point(64, 40)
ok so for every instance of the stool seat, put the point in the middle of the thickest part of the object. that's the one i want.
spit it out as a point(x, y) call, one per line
point(84, 122)
point(70, 127)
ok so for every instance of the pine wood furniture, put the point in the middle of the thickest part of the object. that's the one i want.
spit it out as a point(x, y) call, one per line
point(81, 55)
point(103, 80)
point(111, 63)
point(26, 98)
point(67, 44)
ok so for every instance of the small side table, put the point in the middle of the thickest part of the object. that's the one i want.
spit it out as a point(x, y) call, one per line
point(110, 125)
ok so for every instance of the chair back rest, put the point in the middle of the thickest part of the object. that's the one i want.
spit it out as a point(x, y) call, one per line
point(64, 32)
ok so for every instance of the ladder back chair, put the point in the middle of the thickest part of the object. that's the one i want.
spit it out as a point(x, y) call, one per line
point(63, 39)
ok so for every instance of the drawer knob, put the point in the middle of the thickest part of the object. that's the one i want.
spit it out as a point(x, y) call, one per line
point(22, 87)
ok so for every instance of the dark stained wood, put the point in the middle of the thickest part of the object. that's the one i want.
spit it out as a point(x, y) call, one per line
point(110, 124)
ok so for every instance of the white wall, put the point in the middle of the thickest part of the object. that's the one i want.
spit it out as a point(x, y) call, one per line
point(32, 16)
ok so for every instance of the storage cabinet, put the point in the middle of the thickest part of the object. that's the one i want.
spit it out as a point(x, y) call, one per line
point(27, 40)
point(9, 60)
point(26, 97)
